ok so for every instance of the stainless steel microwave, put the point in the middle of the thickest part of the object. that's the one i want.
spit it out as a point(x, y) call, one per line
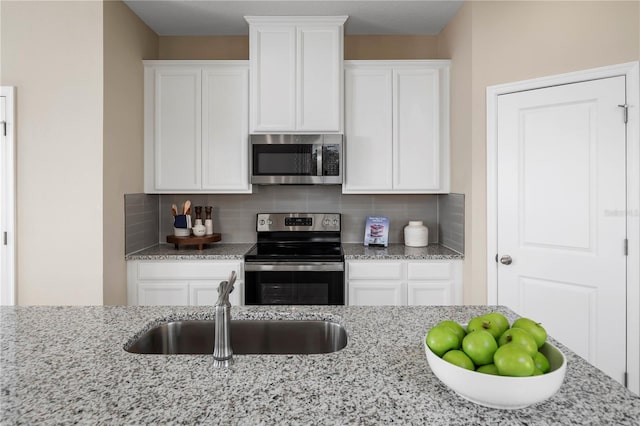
point(296, 159)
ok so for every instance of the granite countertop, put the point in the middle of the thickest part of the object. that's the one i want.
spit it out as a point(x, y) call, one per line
point(352, 251)
point(216, 251)
point(67, 365)
point(358, 251)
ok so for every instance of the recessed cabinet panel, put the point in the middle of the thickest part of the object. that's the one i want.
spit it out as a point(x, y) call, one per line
point(375, 270)
point(319, 70)
point(225, 136)
point(376, 293)
point(273, 56)
point(429, 293)
point(435, 270)
point(368, 130)
point(163, 294)
point(416, 131)
point(177, 130)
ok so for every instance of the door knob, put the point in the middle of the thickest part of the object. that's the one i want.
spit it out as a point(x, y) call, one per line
point(506, 260)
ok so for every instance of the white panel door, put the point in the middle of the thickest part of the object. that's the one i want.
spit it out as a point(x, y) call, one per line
point(376, 293)
point(163, 294)
point(416, 132)
point(319, 65)
point(430, 293)
point(368, 130)
point(561, 214)
point(273, 78)
point(225, 129)
point(177, 129)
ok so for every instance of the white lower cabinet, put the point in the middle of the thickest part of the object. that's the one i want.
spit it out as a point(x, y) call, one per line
point(181, 282)
point(404, 282)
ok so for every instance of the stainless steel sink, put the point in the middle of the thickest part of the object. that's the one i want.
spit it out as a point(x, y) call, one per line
point(247, 337)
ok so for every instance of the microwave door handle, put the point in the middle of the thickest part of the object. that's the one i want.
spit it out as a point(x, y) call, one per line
point(318, 149)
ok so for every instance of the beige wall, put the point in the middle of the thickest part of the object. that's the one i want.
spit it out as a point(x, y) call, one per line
point(52, 53)
point(454, 43)
point(127, 41)
point(213, 47)
point(355, 47)
point(512, 41)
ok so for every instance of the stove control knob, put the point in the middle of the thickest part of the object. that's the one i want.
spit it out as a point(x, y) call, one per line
point(269, 222)
point(326, 222)
point(335, 221)
point(261, 222)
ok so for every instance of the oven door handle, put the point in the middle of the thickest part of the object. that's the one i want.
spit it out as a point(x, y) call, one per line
point(293, 266)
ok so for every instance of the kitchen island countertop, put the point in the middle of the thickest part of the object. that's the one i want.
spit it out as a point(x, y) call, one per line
point(67, 365)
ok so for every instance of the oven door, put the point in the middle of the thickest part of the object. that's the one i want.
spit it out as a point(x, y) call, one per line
point(284, 283)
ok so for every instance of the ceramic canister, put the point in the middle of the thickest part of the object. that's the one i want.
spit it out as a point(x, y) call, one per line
point(416, 234)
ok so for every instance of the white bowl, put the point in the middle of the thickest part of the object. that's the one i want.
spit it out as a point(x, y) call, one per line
point(501, 391)
point(199, 230)
point(181, 232)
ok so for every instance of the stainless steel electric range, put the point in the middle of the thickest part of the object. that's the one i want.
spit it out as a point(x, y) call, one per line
point(297, 260)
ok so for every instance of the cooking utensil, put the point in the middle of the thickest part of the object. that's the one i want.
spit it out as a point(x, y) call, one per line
point(186, 209)
point(174, 210)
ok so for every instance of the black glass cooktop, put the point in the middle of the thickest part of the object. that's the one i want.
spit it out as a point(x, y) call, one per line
point(295, 252)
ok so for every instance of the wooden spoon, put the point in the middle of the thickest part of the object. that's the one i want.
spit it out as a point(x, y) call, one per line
point(187, 207)
point(174, 210)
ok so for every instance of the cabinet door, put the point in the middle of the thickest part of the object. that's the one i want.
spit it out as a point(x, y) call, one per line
point(368, 130)
point(430, 293)
point(225, 127)
point(161, 294)
point(177, 128)
point(416, 133)
point(273, 77)
point(206, 293)
point(376, 293)
point(319, 74)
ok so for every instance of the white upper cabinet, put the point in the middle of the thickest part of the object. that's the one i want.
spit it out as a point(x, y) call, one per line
point(397, 127)
point(196, 127)
point(296, 73)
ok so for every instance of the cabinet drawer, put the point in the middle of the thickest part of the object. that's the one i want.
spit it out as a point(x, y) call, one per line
point(375, 270)
point(187, 270)
point(430, 271)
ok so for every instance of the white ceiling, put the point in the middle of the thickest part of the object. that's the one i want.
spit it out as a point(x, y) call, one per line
point(225, 17)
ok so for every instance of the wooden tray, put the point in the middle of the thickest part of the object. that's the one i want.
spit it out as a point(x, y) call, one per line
point(193, 240)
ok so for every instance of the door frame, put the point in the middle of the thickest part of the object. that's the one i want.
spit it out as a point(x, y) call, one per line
point(8, 201)
point(631, 71)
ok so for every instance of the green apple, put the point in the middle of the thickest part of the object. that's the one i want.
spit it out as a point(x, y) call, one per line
point(537, 372)
point(488, 369)
point(535, 329)
point(541, 362)
point(459, 358)
point(513, 360)
point(499, 320)
point(440, 339)
point(455, 327)
point(480, 346)
point(519, 337)
point(483, 323)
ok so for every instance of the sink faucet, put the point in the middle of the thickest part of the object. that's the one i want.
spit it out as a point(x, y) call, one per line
point(222, 353)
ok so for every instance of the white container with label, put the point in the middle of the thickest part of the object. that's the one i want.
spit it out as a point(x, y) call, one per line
point(416, 234)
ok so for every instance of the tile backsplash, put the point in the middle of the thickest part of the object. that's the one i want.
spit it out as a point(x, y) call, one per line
point(141, 221)
point(148, 217)
point(451, 221)
point(234, 215)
